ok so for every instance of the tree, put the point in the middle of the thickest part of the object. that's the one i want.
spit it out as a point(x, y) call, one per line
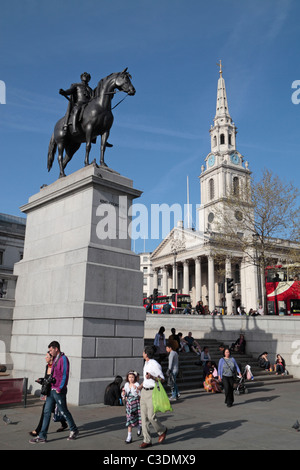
point(262, 221)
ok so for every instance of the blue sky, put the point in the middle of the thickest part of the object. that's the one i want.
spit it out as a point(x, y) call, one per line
point(171, 47)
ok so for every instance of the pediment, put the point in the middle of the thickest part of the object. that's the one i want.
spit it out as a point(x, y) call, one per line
point(179, 240)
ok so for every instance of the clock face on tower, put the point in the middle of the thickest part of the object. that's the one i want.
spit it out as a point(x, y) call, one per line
point(235, 158)
point(211, 160)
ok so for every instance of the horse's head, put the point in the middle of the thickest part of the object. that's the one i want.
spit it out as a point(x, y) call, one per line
point(123, 82)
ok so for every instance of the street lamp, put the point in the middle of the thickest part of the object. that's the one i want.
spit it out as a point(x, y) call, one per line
point(257, 264)
point(174, 252)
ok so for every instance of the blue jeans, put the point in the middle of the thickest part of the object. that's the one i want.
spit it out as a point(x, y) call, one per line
point(58, 399)
point(174, 387)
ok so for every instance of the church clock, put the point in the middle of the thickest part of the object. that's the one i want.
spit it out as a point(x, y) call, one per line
point(211, 160)
point(235, 158)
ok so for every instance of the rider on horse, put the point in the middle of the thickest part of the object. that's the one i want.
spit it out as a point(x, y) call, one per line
point(80, 94)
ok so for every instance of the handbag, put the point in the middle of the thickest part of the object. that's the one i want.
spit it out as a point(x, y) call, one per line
point(234, 371)
point(160, 399)
point(46, 385)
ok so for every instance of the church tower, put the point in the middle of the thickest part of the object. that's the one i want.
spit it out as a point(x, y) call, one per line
point(224, 171)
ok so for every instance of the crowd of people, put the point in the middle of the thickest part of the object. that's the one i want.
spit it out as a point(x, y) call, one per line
point(218, 376)
point(201, 309)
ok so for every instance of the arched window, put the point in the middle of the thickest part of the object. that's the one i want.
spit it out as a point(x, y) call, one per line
point(236, 186)
point(222, 139)
point(215, 141)
point(211, 189)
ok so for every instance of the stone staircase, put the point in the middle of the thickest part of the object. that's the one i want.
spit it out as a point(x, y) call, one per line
point(190, 375)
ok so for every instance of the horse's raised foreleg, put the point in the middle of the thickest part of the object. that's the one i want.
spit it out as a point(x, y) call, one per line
point(104, 138)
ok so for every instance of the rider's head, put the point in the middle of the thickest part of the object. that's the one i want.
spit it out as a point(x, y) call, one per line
point(85, 77)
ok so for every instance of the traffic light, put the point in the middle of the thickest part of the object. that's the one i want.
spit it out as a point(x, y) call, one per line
point(155, 294)
point(230, 284)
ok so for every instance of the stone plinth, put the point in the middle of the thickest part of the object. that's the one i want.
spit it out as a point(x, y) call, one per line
point(79, 283)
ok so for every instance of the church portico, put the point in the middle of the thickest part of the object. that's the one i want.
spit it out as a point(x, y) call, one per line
point(201, 275)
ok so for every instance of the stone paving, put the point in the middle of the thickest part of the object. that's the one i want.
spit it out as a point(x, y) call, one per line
point(259, 420)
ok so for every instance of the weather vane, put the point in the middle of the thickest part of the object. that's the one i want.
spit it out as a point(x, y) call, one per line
point(219, 64)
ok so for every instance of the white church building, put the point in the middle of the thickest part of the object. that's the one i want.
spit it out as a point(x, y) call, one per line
point(185, 260)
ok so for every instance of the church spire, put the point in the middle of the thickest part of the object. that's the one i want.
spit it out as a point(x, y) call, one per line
point(223, 132)
point(222, 110)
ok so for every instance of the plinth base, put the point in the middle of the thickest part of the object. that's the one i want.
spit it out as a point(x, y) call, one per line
point(80, 284)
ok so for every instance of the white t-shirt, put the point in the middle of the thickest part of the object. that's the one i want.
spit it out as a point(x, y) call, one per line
point(134, 391)
point(153, 368)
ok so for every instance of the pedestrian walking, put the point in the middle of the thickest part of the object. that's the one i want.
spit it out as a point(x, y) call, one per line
point(58, 395)
point(227, 369)
point(45, 391)
point(172, 371)
point(152, 372)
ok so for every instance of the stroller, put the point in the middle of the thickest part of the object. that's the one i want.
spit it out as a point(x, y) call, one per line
point(246, 375)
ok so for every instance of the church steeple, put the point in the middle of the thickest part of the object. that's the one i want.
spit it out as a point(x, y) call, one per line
point(224, 168)
point(223, 132)
point(222, 110)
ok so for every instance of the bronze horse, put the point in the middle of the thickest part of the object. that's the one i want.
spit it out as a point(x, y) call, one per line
point(97, 119)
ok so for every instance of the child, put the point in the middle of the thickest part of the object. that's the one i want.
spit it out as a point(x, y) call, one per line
point(210, 384)
point(131, 395)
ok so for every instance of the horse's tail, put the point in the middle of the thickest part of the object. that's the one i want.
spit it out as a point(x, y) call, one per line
point(51, 152)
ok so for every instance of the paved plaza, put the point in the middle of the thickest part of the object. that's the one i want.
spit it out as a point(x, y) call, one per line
point(259, 420)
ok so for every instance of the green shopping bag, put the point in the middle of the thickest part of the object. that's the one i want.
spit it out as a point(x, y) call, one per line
point(160, 399)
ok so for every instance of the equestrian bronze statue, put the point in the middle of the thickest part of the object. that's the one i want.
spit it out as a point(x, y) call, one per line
point(89, 115)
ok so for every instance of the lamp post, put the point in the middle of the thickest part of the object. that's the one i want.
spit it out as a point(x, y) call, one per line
point(174, 252)
point(257, 264)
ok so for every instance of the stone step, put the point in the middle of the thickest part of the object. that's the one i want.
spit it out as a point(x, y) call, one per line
point(191, 375)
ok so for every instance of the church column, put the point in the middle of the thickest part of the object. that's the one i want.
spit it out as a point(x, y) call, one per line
point(198, 283)
point(155, 278)
point(175, 280)
point(229, 302)
point(165, 280)
point(186, 286)
point(211, 283)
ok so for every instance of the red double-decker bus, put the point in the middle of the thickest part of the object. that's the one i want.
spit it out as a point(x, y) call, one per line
point(283, 289)
point(178, 303)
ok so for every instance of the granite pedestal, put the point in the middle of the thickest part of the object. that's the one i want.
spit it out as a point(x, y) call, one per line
point(79, 283)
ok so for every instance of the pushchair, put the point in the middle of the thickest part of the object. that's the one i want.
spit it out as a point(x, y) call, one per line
point(240, 386)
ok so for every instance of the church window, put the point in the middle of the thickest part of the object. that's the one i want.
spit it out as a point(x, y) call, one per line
point(229, 139)
point(222, 139)
point(211, 188)
point(237, 274)
point(215, 141)
point(238, 215)
point(236, 184)
point(211, 217)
